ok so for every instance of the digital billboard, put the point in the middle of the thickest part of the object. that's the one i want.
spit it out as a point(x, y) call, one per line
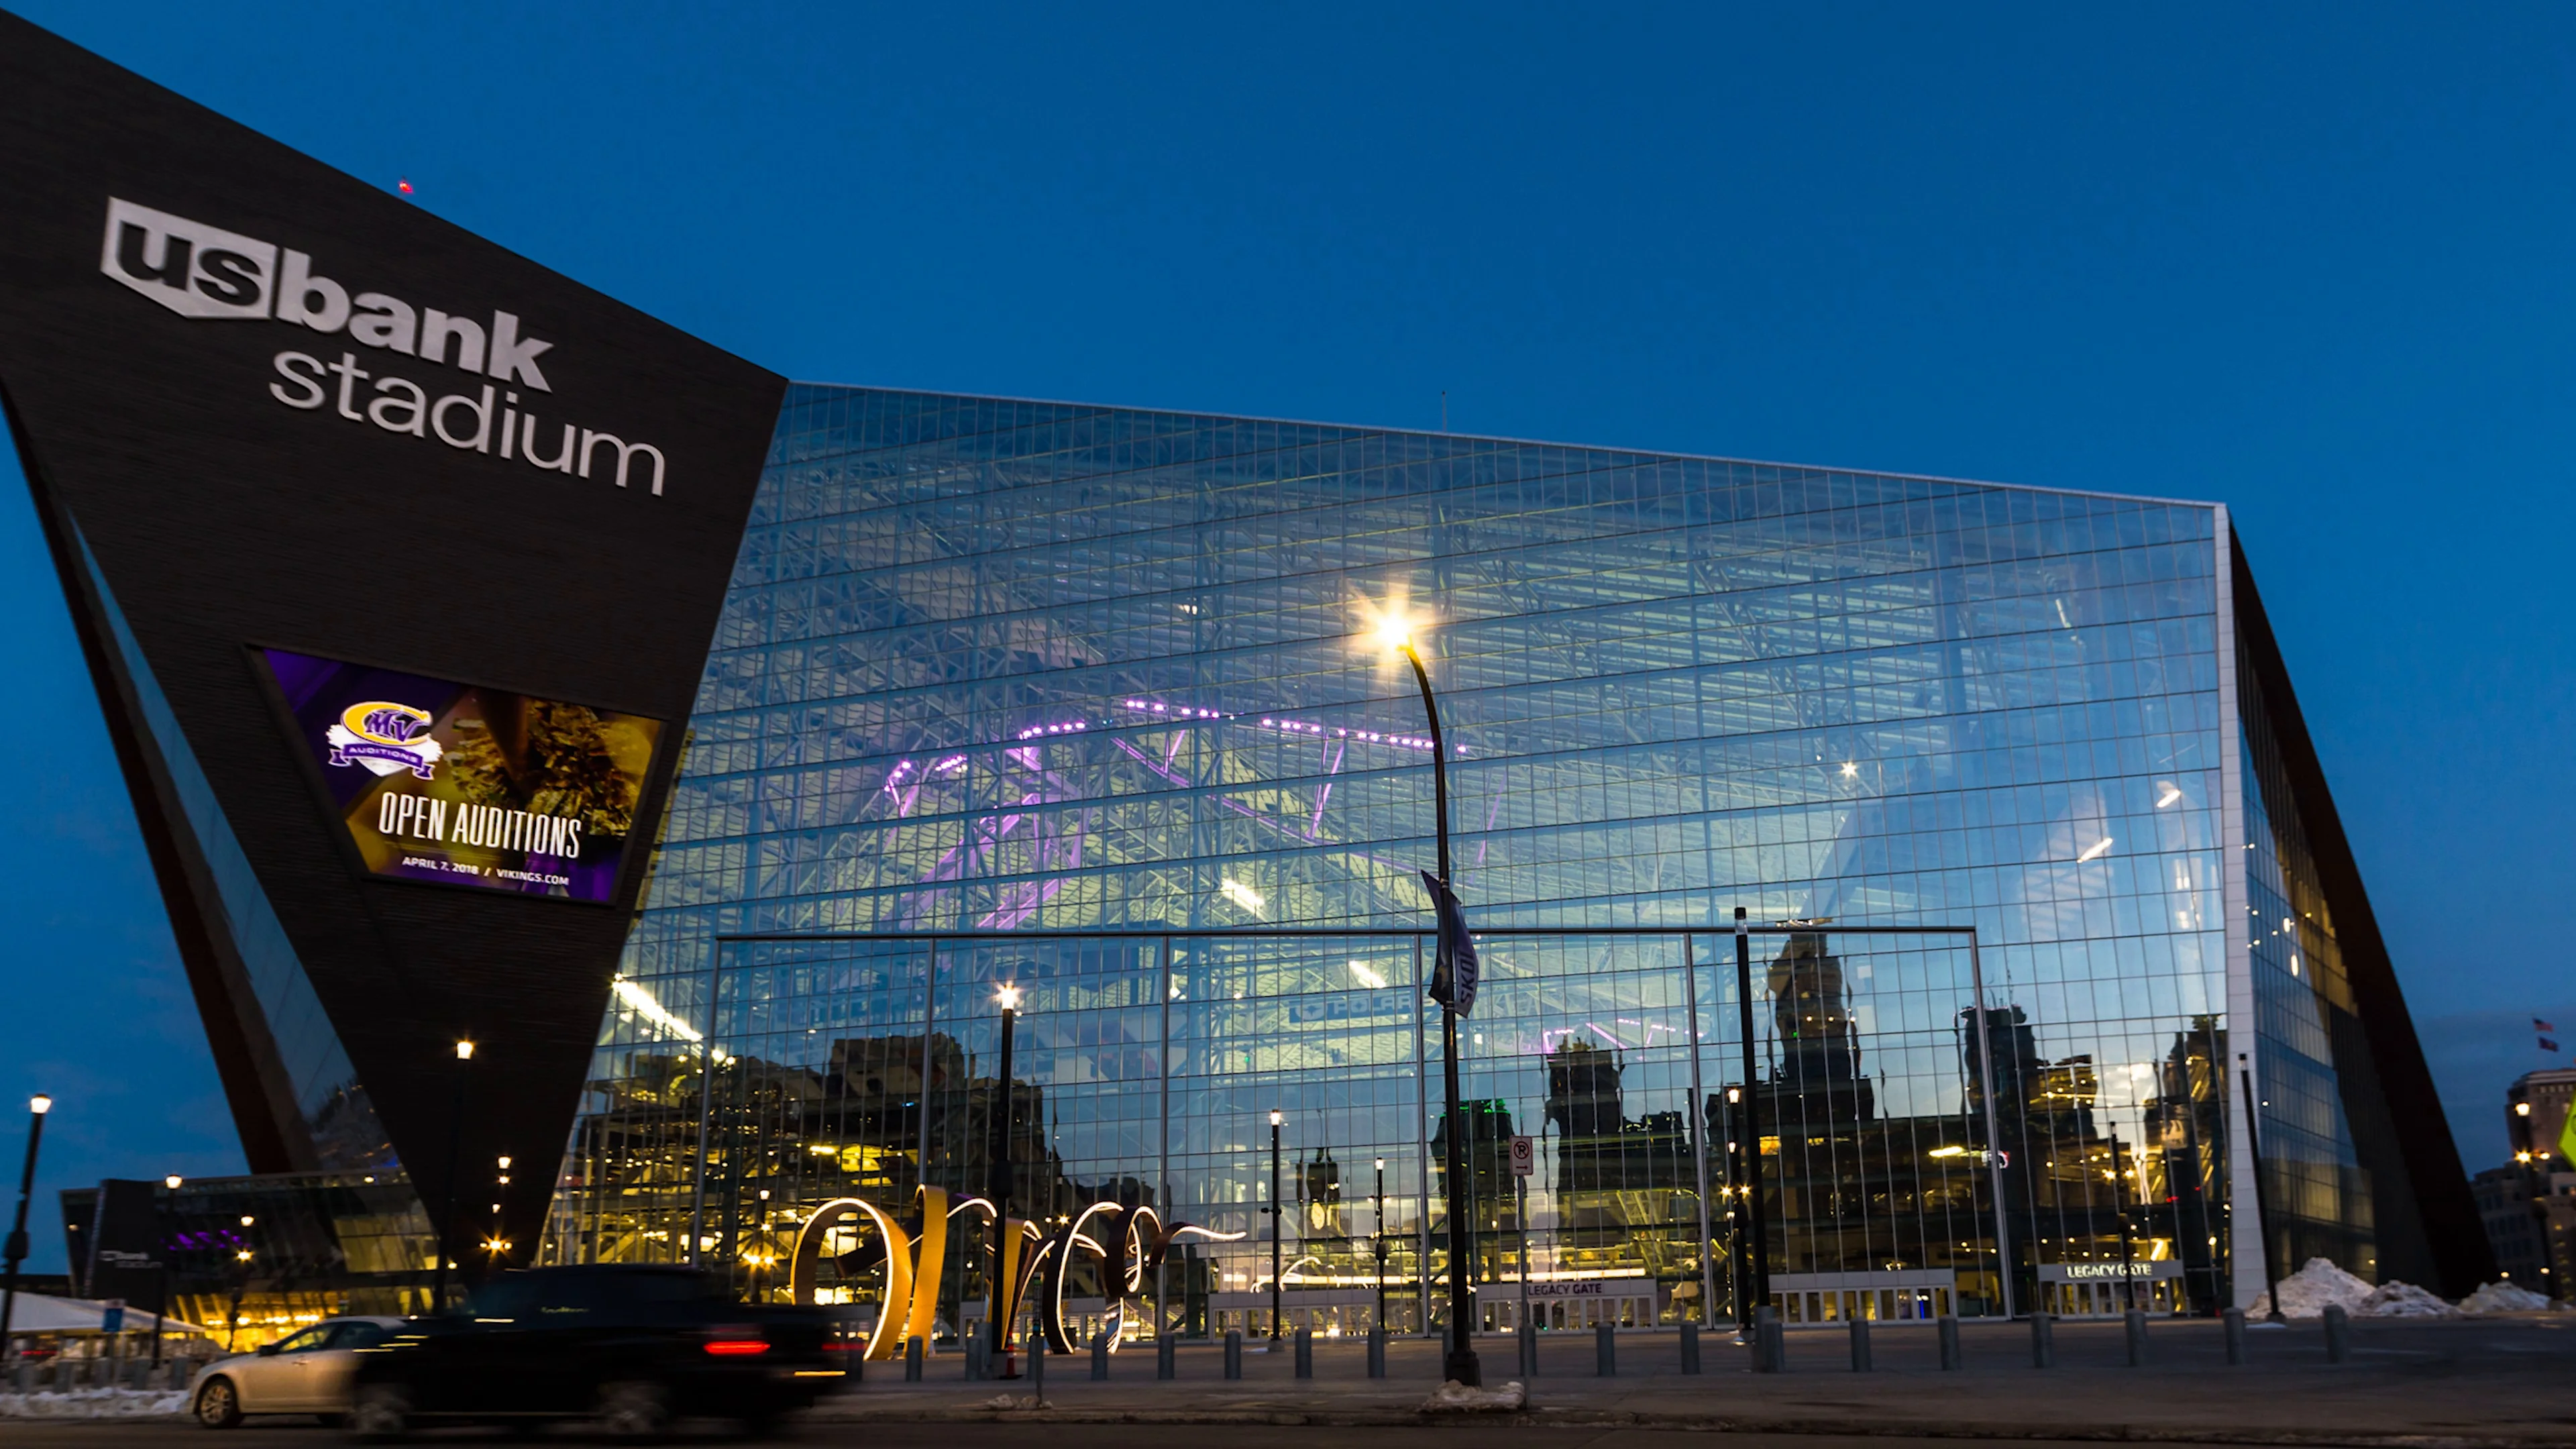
point(463, 784)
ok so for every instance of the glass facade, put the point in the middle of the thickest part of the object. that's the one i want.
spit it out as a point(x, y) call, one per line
point(994, 666)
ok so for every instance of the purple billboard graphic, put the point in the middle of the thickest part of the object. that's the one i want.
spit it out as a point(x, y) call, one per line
point(461, 784)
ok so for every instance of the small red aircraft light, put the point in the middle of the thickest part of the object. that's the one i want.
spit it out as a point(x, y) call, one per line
point(403, 185)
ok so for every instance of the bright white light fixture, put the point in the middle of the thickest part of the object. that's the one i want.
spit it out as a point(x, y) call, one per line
point(1367, 977)
point(464, 1050)
point(40, 1104)
point(1393, 630)
point(1008, 995)
point(1851, 769)
point(1243, 895)
point(2095, 851)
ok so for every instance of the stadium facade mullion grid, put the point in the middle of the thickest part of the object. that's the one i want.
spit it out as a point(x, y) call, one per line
point(994, 664)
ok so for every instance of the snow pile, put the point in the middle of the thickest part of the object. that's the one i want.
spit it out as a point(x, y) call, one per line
point(94, 1404)
point(1014, 1401)
point(2503, 1298)
point(2403, 1300)
point(1453, 1397)
point(2307, 1292)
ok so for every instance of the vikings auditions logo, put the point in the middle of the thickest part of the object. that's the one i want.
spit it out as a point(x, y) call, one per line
point(385, 737)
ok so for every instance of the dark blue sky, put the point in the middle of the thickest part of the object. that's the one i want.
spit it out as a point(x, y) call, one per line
point(2313, 262)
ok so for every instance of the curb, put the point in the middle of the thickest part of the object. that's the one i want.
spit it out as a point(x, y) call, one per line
point(1544, 1418)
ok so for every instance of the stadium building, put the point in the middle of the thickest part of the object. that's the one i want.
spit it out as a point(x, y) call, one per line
point(491, 664)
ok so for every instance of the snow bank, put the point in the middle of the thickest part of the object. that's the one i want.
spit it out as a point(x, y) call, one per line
point(1453, 1397)
point(2307, 1292)
point(2503, 1298)
point(95, 1404)
point(2403, 1300)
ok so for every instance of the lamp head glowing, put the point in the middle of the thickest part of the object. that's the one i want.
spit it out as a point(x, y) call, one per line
point(171, 1182)
point(40, 1104)
point(505, 1164)
point(1009, 996)
point(1277, 1116)
point(464, 1050)
point(1381, 1164)
point(1394, 631)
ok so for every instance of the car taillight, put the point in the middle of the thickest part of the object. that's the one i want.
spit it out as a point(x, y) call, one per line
point(845, 1345)
point(736, 1347)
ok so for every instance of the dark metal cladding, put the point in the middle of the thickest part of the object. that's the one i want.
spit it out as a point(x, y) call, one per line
point(171, 449)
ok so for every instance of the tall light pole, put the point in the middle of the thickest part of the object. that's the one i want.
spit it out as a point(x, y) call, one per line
point(16, 1249)
point(446, 1223)
point(997, 1312)
point(1395, 633)
point(241, 1283)
point(1759, 1278)
point(1278, 1224)
point(161, 1225)
point(1379, 1249)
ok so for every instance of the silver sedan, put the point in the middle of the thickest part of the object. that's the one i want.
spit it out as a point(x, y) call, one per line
point(305, 1374)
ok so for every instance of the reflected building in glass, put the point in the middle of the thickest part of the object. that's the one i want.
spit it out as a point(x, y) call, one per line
point(1101, 679)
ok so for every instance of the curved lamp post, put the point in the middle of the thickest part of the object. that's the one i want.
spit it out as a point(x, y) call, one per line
point(1395, 632)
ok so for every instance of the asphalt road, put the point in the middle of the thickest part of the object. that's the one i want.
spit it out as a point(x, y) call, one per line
point(34, 1434)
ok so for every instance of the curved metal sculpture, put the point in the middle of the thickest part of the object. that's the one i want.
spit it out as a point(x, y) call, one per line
point(913, 1268)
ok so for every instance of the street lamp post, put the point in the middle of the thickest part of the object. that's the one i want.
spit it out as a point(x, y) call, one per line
point(446, 1223)
point(1758, 1278)
point(16, 1249)
point(1378, 1250)
point(1278, 1225)
point(241, 1282)
point(161, 1225)
point(998, 1186)
point(1461, 1363)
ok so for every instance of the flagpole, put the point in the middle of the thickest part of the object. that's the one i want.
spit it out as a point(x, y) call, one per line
point(1461, 1363)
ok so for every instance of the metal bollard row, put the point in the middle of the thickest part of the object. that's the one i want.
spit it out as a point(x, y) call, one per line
point(1234, 1353)
point(1377, 1353)
point(2338, 1333)
point(1305, 1353)
point(1167, 1356)
point(914, 1349)
point(2234, 1318)
point(1690, 1348)
point(1100, 1356)
point(2136, 1319)
point(1948, 1325)
point(1859, 1345)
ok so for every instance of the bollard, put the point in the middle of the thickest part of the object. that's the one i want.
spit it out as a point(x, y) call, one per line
point(1526, 1337)
point(1770, 1342)
point(1605, 1351)
point(2338, 1333)
point(1234, 1353)
point(2137, 1321)
point(1690, 1348)
point(857, 1372)
point(1377, 1353)
point(1305, 1353)
point(1859, 1344)
point(1037, 1369)
point(1100, 1356)
point(2043, 1341)
point(974, 1357)
point(1167, 1356)
point(2235, 1321)
point(913, 1349)
point(1948, 1324)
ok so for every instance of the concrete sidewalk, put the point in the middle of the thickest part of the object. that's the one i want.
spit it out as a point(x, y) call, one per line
point(2475, 1382)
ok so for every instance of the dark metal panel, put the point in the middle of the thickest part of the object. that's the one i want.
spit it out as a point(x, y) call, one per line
point(220, 514)
point(2427, 1219)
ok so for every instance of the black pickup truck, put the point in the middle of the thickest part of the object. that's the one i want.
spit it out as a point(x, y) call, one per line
point(630, 1346)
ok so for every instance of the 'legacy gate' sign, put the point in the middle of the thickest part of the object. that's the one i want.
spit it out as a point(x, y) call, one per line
point(465, 785)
